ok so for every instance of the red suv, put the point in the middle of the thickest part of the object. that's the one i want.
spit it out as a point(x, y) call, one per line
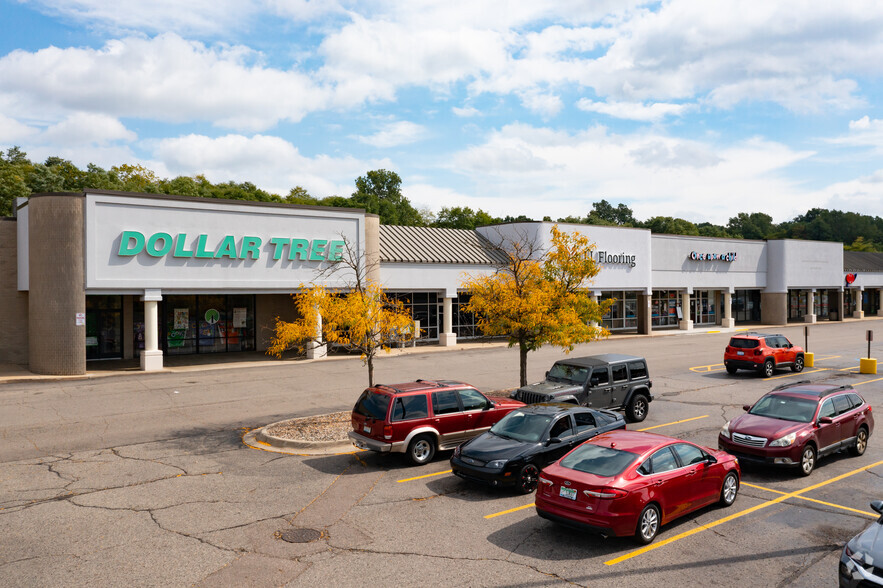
point(795, 424)
point(421, 417)
point(762, 353)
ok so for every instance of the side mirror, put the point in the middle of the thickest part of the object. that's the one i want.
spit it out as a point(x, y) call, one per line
point(490, 404)
point(547, 375)
point(710, 459)
point(553, 440)
point(825, 420)
point(746, 407)
point(877, 505)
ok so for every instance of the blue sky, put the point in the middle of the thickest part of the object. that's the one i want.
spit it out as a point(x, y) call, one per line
point(694, 109)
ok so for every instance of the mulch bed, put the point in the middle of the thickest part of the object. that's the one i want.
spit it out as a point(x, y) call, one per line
point(324, 427)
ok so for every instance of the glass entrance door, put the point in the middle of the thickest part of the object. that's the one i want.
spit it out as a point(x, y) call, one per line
point(104, 318)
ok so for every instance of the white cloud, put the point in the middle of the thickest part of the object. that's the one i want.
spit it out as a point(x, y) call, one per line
point(864, 132)
point(634, 110)
point(269, 162)
point(466, 111)
point(166, 78)
point(84, 128)
point(544, 104)
point(13, 131)
point(397, 133)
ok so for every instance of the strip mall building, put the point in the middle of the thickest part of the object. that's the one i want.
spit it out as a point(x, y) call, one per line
point(101, 275)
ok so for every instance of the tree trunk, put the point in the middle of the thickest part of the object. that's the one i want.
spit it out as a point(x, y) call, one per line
point(370, 371)
point(522, 356)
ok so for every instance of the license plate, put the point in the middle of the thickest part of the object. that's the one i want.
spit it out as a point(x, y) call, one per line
point(569, 493)
point(366, 428)
point(740, 353)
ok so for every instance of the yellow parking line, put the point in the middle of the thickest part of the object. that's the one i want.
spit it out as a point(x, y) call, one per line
point(861, 512)
point(425, 476)
point(707, 368)
point(741, 513)
point(800, 374)
point(868, 382)
point(855, 367)
point(712, 331)
point(496, 514)
point(675, 423)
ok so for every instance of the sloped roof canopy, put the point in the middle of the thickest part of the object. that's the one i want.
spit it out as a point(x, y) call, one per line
point(862, 261)
point(433, 245)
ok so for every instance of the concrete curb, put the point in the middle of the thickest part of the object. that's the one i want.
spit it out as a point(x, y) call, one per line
point(259, 439)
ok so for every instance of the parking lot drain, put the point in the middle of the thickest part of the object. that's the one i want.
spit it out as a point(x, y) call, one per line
point(298, 535)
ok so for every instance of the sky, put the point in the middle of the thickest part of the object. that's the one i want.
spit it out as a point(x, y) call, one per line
point(698, 110)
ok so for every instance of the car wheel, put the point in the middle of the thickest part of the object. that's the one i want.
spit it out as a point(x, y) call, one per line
point(732, 370)
point(861, 443)
point(637, 408)
point(798, 365)
point(648, 524)
point(807, 460)
point(421, 450)
point(729, 489)
point(769, 368)
point(528, 479)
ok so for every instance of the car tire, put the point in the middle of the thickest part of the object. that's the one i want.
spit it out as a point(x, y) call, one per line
point(421, 449)
point(528, 478)
point(648, 524)
point(807, 460)
point(637, 409)
point(768, 368)
point(729, 489)
point(797, 366)
point(732, 370)
point(861, 443)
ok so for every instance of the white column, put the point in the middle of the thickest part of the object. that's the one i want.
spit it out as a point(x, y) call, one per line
point(447, 338)
point(857, 311)
point(810, 316)
point(315, 350)
point(728, 322)
point(151, 357)
point(686, 323)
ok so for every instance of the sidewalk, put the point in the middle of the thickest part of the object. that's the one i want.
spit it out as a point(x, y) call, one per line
point(12, 373)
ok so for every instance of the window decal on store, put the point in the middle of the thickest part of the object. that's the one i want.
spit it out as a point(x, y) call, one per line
point(697, 256)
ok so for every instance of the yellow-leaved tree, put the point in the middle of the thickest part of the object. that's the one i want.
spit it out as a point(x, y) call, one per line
point(358, 318)
point(539, 297)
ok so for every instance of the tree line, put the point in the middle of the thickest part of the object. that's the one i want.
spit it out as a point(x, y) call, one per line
point(380, 192)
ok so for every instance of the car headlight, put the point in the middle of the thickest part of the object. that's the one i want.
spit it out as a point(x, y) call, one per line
point(784, 441)
point(725, 430)
point(457, 451)
point(496, 464)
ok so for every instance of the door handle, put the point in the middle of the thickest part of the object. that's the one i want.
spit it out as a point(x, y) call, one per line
point(693, 473)
point(658, 482)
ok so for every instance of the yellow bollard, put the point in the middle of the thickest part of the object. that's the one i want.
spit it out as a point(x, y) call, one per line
point(808, 359)
point(867, 365)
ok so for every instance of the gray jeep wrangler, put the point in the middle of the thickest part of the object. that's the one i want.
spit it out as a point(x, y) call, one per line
point(611, 380)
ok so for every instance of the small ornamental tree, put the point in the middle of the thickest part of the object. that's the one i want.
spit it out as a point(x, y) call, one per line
point(538, 297)
point(358, 318)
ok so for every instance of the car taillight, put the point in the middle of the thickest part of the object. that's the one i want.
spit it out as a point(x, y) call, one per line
point(387, 432)
point(612, 493)
point(757, 352)
point(546, 481)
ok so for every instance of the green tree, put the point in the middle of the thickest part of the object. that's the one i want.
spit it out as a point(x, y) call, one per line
point(457, 217)
point(299, 195)
point(861, 245)
point(670, 226)
point(538, 297)
point(380, 192)
point(711, 230)
point(15, 169)
point(756, 225)
point(604, 213)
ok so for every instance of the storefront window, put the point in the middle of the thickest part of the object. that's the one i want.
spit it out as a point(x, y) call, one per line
point(623, 313)
point(424, 308)
point(202, 324)
point(664, 308)
point(104, 317)
point(702, 307)
point(464, 324)
point(746, 306)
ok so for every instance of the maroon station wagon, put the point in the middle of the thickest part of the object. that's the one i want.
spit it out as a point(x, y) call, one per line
point(798, 423)
point(419, 418)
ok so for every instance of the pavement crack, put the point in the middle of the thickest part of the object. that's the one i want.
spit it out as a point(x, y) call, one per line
point(116, 452)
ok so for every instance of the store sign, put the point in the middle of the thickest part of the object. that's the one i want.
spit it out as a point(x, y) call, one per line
point(850, 278)
point(696, 256)
point(229, 247)
point(622, 259)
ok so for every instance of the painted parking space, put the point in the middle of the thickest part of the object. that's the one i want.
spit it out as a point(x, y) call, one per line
point(719, 367)
point(701, 528)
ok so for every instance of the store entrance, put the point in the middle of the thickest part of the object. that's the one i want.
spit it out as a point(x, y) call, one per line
point(104, 319)
point(702, 307)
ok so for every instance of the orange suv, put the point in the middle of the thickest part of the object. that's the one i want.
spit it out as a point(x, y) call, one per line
point(762, 353)
point(418, 418)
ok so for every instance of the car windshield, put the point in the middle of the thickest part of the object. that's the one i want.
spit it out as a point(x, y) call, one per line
point(743, 343)
point(598, 460)
point(522, 426)
point(568, 373)
point(787, 408)
point(373, 405)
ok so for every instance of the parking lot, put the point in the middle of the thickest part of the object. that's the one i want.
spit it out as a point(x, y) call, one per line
point(206, 510)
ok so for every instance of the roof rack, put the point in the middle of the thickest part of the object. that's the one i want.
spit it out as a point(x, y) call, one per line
point(798, 383)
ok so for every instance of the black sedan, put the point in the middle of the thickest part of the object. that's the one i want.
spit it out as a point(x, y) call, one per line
point(526, 440)
point(862, 557)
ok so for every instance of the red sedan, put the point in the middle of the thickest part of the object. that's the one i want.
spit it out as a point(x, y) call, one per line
point(629, 483)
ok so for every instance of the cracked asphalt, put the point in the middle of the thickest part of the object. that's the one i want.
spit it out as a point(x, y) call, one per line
point(143, 480)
